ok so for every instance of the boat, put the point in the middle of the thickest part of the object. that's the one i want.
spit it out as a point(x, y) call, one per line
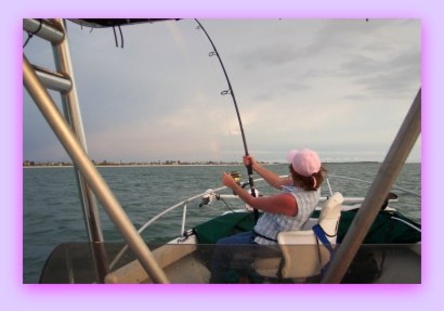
point(370, 242)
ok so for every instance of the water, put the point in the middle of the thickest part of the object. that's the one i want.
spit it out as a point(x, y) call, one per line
point(52, 213)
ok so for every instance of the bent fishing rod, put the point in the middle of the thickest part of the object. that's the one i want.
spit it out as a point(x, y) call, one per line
point(231, 92)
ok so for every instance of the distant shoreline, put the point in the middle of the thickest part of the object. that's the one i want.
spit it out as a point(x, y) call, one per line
point(140, 165)
point(194, 165)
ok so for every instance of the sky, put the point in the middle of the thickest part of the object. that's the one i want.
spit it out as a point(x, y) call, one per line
point(339, 86)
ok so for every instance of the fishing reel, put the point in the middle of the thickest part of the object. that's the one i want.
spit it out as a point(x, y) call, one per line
point(237, 177)
point(210, 196)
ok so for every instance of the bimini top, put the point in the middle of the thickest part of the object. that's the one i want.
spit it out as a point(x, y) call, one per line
point(115, 22)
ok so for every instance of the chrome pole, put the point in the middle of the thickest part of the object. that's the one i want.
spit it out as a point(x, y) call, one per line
point(53, 80)
point(44, 29)
point(72, 113)
point(184, 218)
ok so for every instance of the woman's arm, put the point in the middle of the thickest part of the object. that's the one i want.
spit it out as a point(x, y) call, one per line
point(270, 177)
point(276, 204)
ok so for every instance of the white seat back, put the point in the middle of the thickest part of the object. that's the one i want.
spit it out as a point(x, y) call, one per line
point(329, 216)
point(304, 256)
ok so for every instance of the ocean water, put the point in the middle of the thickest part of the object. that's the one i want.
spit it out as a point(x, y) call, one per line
point(52, 214)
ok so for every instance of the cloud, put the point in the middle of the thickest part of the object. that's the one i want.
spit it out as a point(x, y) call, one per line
point(297, 82)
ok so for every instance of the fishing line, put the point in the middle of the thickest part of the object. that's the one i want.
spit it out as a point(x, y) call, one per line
point(231, 92)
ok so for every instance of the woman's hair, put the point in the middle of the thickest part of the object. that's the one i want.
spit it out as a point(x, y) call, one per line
point(309, 183)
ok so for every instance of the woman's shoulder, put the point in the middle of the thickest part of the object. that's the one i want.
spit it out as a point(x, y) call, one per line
point(300, 191)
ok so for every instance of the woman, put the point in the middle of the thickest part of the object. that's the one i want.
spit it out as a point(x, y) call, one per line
point(286, 211)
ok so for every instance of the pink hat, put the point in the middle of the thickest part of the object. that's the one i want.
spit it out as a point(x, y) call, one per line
point(305, 162)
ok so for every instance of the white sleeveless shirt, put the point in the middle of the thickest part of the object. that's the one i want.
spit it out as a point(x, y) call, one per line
point(269, 225)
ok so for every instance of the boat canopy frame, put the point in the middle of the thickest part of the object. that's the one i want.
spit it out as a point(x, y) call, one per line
point(69, 130)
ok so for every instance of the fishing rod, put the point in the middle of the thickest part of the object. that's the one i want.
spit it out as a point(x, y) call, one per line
point(231, 92)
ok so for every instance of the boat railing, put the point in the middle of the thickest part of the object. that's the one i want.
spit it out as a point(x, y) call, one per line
point(214, 194)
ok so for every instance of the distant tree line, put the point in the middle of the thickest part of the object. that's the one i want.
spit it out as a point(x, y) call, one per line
point(113, 163)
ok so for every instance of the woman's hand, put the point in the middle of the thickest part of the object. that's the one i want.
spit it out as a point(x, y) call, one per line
point(228, 180)
point(249, 160)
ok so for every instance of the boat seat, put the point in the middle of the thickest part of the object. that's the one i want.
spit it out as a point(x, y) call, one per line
point(303, 254)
